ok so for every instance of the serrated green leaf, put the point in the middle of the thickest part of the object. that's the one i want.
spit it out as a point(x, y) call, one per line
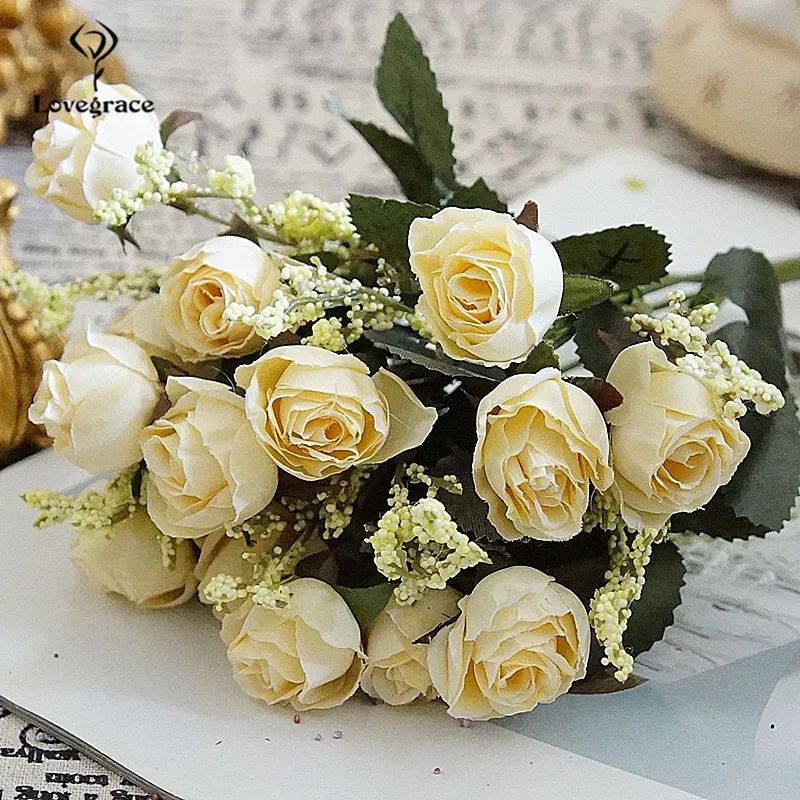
point(717, 519)
point(764, 488)
point(386, 223)
point(543, 355)
point(366, 603)
point(467, 509)
point(630, 256)
point(407, 89)
point(478, 195)
point(406, 164)
point(583, 291)
point(654, 612)
point(404, 343)
point(601, 334)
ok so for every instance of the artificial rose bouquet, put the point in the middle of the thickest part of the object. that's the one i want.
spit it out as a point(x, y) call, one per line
point(350, 428)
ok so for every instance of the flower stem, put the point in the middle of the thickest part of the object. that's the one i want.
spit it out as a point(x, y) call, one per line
point(787, 269)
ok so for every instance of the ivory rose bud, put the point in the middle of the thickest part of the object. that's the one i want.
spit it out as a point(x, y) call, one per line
point(318, 413)
point(307, 654)
point(80, 158)
point(129, 563)
point(205, 466)
point(397, 662)
point(522, 639)
point(490, 288)
point(671, 446)
point(542, 443)
point(201, 283)
point(95, 402)
point(143, 324)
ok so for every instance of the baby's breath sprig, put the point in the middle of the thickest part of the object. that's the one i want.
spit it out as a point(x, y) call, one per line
point(418, 543)
point(93, 510)
point(336, 501)
point(731, 381)
point(610, 608)
point(308, 291)
point(270, 576)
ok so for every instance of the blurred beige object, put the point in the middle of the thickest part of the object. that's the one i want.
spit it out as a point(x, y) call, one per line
point(732, 80)
point(37, 58)
point(22, 352)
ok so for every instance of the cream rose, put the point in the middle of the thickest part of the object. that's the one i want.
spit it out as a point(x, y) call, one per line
point(143, 324)
point(490, 288)
point(522, 639)
point(397, 662)
point(206, 469)
point(671, 447)
point(95, 402)
point(542, 443)
point(201, 283)
point(307, 654)
point(129, 563)
point(319, 413)
point(79, 159)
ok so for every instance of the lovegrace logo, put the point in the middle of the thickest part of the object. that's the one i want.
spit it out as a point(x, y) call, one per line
point(95, 42)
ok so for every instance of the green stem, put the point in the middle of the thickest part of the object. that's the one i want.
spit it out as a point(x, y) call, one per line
point(787, 269)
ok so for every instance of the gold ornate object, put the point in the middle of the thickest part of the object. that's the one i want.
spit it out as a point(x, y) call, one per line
point(37, 59)
point(22, 352)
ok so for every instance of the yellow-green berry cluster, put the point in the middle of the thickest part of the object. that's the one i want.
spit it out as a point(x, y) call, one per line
point(685, 327)
point(336, 500)
point(236, 179)
point(420, 546)
point(732, 381)
point(310, 224)
point(610, 608)
point(93, 510)
point(52, 307)
point(308, 291)
point(603, 512)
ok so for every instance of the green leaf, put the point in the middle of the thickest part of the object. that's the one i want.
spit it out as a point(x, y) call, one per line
point(407, 88)
point(386, 223)
point(177, 118)
point(601, 334)
point(404, 343)
point(717, 519)
point(654, 612)
point(629, 256)
point(764, 488)
point(583, 291)
point(467, 509)
point(543, 355)
point(401, 157)
point(479, 195)
point(366, 603)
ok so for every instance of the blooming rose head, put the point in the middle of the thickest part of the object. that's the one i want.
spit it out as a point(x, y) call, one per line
point(490, 288)
point(671, 446)
point(397, 662)
point(79, 158)
point(126, 560)
point(522, 639)
point(307, 654)
point(95, 402)
point(206, 469)
point(542, 442)
point(319, 413)
point(201, 283)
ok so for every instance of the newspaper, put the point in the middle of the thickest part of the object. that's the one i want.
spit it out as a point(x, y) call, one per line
point(533, 86)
